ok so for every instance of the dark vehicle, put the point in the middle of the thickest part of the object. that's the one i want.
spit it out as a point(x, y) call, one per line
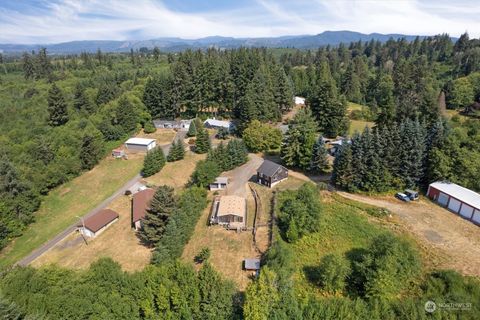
point(413, 195)
point(402, 196)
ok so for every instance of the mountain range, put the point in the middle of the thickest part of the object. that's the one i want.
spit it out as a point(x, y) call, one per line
point(171, 44)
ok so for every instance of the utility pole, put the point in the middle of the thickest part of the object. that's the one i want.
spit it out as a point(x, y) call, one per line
point(83, 224)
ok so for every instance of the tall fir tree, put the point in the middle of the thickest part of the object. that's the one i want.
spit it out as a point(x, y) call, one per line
point(343, 174)
point(162, 206)
point(298, 142)
point(202, 143)
point(125, 115)
point(57, 107)
point(91, 150)
point(28, 66)
point(192, 130)
point(81, 101)
point(319, 162)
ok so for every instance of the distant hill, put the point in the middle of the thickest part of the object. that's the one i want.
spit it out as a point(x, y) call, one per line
point(178, 44)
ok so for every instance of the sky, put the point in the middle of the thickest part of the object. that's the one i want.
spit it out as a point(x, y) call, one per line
point(53, 21)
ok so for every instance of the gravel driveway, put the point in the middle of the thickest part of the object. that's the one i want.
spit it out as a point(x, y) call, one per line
point(241, 175)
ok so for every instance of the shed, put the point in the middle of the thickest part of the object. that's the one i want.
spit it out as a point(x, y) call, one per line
point(140, 206)
point(457, 199)
point(140, 144)
point(251, 264)
point(97, 223)
point(271, 173)
point(229, 211)
point(220, 183)
point(299, 101)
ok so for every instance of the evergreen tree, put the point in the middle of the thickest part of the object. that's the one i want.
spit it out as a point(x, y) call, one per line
point(319, 162)
point(91, 151)
point(177, 151)
point(343, 171)
point(205, 173)
point(57, 107)
point(43, 65)
point(107, 92)
point(192, 130)
point(126, 115)
point(158, 99)
point(282, 89)
point(81, 101)
point(299, 140)
point(202, 143)
point(28, 67)
point(162, 206)
point(153, 162)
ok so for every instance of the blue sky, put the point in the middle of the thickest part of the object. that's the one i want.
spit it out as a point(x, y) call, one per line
point(50, 21)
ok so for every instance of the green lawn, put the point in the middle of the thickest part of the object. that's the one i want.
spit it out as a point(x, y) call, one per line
point(75, 198)
point(351, 106)
point(358, 126)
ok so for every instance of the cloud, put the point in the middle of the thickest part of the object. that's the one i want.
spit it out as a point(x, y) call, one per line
point(48, 21)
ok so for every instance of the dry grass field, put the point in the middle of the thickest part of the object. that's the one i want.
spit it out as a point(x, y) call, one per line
point(176, 174)
point(74, 198)
point(163, 136)
point(118, 242)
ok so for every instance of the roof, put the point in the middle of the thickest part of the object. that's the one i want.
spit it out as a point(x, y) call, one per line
point(299, 100)
point(100, 219)
point(221, 180)
point(141, 203)
point(233, 205)
point(218, 123)
point(252, 264)
point(269, 168)
point(140, 141)
point(463, 194)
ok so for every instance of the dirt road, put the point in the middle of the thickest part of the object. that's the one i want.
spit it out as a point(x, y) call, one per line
point(435, 227)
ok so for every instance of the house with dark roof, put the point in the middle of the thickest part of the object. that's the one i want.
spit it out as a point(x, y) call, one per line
point(140, 206)
point(97, 223)
point(271, 173)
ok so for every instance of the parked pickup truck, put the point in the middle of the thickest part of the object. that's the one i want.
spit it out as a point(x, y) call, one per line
point(402, 196)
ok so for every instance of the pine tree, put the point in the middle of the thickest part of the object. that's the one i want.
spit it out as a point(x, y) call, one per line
point(319, 162)
point(92, 150)
point(192, 130)
point(57, 107)
point(282, 89)
point(81, 101)
point(162, 206)
point(153, 162)
point(237, 153)
point(177, 151)
point(202, 143)
point(299, 140)
point(126, 115)
point(158, 98)
point(343, 172)
point(43, 65)
point(28, 67)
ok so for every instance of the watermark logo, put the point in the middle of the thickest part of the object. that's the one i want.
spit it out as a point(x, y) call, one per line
point(430, 306)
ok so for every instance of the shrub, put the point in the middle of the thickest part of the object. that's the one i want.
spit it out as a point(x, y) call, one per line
point(148, 127)
point(333, 272)
point(203, 255)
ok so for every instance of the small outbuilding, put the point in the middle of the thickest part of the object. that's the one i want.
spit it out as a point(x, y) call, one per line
point(220, 183)
point(457, 199)
point(140, 144)
point(140, 206)
point(299, 101)
point(271, 173)
point(252, 264)
point(97, 223)
point(229, 211)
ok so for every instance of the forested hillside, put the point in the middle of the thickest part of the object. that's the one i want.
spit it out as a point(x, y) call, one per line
point(59, 115)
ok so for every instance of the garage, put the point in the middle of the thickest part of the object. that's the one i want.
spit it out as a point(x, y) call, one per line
point(460, 200)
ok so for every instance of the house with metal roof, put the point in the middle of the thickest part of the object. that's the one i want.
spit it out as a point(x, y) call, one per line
point(97, 223)
point(271, 173)
point(457, 199)
point(172, 124)
point(217, 124)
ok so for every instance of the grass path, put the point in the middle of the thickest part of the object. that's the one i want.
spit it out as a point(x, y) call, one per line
point(75, 198)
